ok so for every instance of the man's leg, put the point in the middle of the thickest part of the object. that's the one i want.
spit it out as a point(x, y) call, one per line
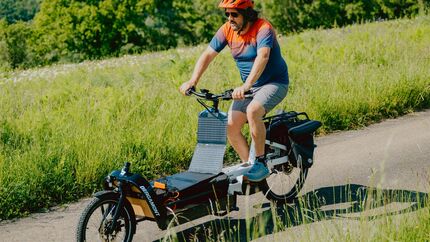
point(265, 99)
point(255, 113)
point(236, 120)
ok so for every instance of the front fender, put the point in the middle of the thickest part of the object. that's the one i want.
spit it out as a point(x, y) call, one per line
point(104, 193)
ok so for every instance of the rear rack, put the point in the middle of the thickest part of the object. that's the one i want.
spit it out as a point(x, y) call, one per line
point(289, 115)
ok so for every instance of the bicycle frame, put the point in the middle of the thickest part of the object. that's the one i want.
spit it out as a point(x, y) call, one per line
point(145, 201)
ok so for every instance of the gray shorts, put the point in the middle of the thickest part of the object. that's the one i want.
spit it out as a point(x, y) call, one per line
point(268, 96)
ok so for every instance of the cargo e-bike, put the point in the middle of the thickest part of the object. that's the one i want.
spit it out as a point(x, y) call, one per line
point(206, 187)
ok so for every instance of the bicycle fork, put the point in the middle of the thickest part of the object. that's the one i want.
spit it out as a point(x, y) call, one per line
point(117, 211)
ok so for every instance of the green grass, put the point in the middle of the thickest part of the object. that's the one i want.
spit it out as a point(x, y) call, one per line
point(64, 127)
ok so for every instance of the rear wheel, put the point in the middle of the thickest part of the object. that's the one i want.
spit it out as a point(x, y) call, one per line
point(284, 183)
point(97, 218)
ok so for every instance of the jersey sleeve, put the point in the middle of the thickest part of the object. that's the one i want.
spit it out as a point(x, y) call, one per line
point(219, 41)
point(265, 37)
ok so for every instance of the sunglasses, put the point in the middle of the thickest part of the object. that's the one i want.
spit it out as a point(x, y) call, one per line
point(233, 14)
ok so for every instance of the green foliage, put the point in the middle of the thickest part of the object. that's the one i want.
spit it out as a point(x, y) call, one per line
point(200, 19)
point(18, 10)
point(94, 29)
point(298, 15)
point(4, 55)
point(14, 44)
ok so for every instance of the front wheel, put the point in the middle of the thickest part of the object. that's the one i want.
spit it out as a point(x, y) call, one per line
point(97, 218)
point(284, 183)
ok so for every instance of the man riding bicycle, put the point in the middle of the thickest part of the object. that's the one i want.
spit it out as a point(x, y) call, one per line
point(254, 47)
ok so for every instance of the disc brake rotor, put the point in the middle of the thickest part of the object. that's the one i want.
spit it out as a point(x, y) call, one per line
point(109, 237)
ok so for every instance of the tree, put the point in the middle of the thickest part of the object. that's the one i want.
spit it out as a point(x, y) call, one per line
point(108, 27)
point(18, 10)
point(13, 44)
point(198, 20)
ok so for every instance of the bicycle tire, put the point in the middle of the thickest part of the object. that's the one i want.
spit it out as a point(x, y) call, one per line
point(278, 191)
point(126, 220)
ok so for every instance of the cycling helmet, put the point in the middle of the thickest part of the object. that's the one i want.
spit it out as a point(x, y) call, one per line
point(240, 4)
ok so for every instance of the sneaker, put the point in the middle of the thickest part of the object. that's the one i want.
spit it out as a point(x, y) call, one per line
point(257, 173)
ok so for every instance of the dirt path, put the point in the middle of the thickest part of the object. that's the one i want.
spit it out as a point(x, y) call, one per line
point(393, 155)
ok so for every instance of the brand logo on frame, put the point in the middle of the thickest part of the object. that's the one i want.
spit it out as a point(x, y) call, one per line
point(148, 197)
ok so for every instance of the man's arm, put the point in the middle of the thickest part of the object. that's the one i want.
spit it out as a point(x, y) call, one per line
point(202, 64)
point(257, 69)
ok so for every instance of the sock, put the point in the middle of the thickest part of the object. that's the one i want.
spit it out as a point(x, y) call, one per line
point(261, 158)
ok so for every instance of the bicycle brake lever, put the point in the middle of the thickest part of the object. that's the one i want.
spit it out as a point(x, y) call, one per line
point(227, 94)
point(249, 94)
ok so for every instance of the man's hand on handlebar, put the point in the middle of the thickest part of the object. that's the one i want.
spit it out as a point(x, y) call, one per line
point(207, 95)
point(185, 87)
point(239, 92)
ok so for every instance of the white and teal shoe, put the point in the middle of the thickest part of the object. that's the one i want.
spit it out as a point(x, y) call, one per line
point(257, 173)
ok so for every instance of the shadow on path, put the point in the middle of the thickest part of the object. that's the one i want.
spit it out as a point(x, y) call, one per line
point(350, 201)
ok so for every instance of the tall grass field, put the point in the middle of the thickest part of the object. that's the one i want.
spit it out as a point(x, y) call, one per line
point(65, 127)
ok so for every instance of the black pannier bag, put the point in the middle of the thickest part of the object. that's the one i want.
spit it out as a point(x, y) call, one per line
point(194, 195)
point(296, 131)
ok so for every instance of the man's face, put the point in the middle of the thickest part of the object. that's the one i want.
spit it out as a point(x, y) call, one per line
point(234, 18)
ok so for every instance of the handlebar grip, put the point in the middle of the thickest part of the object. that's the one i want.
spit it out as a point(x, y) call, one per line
point(228, 94)
point(249, 92)
point(190, 91)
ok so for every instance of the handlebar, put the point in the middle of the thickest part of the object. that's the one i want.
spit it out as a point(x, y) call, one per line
point(214, 98)
point(207, 95)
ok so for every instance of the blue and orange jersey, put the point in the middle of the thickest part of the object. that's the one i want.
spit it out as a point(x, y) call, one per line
point(244, 51)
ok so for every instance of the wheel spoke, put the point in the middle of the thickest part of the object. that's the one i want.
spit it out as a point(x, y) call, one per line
point(284, 183)
point(97, 218)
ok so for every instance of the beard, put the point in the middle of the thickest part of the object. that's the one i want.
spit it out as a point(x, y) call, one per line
point(235, 26)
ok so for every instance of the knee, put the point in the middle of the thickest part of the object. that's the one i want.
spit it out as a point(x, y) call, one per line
point(233, 128)
point(254, 112)
point(236, 120)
